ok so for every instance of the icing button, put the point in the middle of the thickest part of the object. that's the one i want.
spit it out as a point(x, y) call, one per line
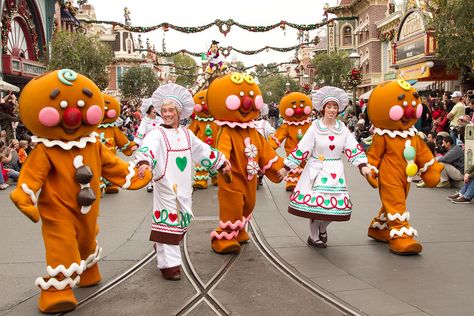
point(84, 174)
point(86, 197)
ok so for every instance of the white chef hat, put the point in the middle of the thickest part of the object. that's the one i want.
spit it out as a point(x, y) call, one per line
point(146, 103)
point(327, 94)
point(178, 95)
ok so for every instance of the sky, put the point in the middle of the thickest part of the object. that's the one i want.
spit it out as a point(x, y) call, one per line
point(196, 13)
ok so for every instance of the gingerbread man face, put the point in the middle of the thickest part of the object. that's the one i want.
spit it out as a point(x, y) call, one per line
point(62, 105)
point(112, 109)
point(234, 97)
point(200, 104)
point(295, 107)
point(394, 105)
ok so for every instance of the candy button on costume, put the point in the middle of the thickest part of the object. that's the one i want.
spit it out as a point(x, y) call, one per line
point(205, 129)
point(63, 109)
point(111, 136)
point(399, 154)
point(295, 109)
point(170, 152)
point(234, 101)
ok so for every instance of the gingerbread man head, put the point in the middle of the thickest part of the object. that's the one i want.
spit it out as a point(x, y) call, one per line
point(200, 105)
point(112, 109)
point(234, 97)
point(295, 107)
point(394, 105)
point(62, 105)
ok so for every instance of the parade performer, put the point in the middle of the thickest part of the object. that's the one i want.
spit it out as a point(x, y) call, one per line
point(399, 154)
point(295, 109)
point(234, 101)
point(266, 130)
point(149, 122)
point(63, 109)
point(205, 129)
point(112, 137)
point(215, 61)
point(169, 151)
point(321, 194)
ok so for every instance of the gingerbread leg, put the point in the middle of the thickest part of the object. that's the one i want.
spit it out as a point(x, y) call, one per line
point(111, 189)
point(200, 177)
point(378, 229)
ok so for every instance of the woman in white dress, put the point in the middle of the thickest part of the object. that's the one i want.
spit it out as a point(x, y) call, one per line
point(321, 194)
point(169, 150)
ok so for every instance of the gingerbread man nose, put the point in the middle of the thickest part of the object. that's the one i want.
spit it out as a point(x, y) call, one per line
point(72, 116)
point(298, 111)
point(410, 112)
point(247, 103)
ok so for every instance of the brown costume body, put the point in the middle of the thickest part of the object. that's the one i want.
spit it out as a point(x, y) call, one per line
point(64, 108)
point(295, 109)
point(399, 154)
point(205, 129)
point(235, 100)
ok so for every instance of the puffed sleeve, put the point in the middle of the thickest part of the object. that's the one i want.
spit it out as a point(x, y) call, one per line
point(203, 154)
point(353, 150)
point(303, 150)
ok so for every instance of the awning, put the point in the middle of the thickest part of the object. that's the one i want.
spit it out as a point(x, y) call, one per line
point(5, 86)
point(423, 85)
point(366, 95)
point(67, 17)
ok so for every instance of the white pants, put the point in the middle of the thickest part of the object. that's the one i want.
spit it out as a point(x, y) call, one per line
point(450, 173)
point(315, 227)
point(167, 256)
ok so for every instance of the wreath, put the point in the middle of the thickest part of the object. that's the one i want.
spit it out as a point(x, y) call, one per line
point(354, 77)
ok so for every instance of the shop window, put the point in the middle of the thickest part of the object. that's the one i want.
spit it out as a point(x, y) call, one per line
point(347, 36)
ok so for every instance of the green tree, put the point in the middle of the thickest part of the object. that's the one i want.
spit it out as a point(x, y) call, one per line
point(331, 69)
point(85, 55)
point(454, 24)
point(273, 87)
point(186, 70)
point(138, 83)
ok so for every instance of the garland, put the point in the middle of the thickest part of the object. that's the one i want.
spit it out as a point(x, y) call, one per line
point(386, 36)
point(223, 25)
point(354, 77)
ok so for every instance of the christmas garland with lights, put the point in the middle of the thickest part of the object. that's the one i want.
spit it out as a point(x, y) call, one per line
point(386, 36)
point(270, 68)
point(223, 25)
point(354, 77)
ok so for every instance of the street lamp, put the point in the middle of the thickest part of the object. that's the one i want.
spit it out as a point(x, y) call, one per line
point(354, 58)
point(287, 86)
point(305, 79)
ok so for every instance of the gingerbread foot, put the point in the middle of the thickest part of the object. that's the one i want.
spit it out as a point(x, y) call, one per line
point(382, 235)
point(243, 237)
point(57, 301)
point(90, 277)
point(223, 246)
point(404, 246)
point(200, 184)
point(110, 189)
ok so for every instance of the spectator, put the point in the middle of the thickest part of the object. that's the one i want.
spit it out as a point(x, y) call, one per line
point(7, 118)
point(426, 120)
point(456, 112)
point(5, 157)
point(348, 112)
point(22, 154)
point(440, 118)
point(14, 161)
point(453, 162)
point(466, 193)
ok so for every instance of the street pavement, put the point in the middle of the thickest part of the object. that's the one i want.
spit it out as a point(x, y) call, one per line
point(354, 269)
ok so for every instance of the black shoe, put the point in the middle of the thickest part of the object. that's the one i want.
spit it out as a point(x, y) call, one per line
point(149, 188)
point(323, 237)
point(172, 274)
point(317, 244)
point(454, 196)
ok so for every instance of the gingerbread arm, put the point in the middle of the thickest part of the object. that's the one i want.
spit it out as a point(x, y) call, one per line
point(121, 173)
point(122, 142)
point(32, 177)
point(270, 163)
point(374, 157)
point(194, 127)
point(429, 168)
point(280, 135)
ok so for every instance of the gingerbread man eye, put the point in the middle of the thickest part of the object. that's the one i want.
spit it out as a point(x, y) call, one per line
point(241, 93)
point(203, 102)
point(405, 103)
point(413, 103)
point(63, 104)
point(81, 103)
point(106, 108)
point(251, 93)
point(294, 106)
point(301, 105)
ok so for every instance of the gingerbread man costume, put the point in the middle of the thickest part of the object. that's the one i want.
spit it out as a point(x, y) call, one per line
point(205, 129)
point(234, 101)
point(295, 108)
point(111, 136)
point(63, 109)
point(399, 154)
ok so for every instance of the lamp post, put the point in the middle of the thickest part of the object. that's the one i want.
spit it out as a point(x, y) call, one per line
point(287, 86)
point(354, 58)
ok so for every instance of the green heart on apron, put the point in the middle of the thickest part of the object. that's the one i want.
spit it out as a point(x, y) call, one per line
point(340, 202)
point(181, 162)
point(326, 202)
point(324, 180)
point(341, 180)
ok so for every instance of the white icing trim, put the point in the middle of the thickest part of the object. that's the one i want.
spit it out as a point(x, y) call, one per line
point(427, 165)
point(408, 231)
point(85, 209)
point(94, 257)
point(291, 179)
point(308, 120)
point(30, 192)
point(373, 168)
point(403, 217)
point(78, 161)
point(250, 124)
point(410, 132)
point(379, 226)
point(130, 175)
point(81, 143)
point(382, 217)
point(73, 268)
point(58, 285)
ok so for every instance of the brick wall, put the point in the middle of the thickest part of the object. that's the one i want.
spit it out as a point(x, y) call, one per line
point(376, 13)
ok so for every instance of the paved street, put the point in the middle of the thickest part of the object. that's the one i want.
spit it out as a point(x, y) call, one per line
point(355, 270)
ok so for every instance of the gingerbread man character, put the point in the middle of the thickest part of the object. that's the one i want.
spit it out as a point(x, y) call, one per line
point(399, 154)
point(295, 108)
point(112, 137)
point(205, 129)
point(234, 101)
point(63, 109)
